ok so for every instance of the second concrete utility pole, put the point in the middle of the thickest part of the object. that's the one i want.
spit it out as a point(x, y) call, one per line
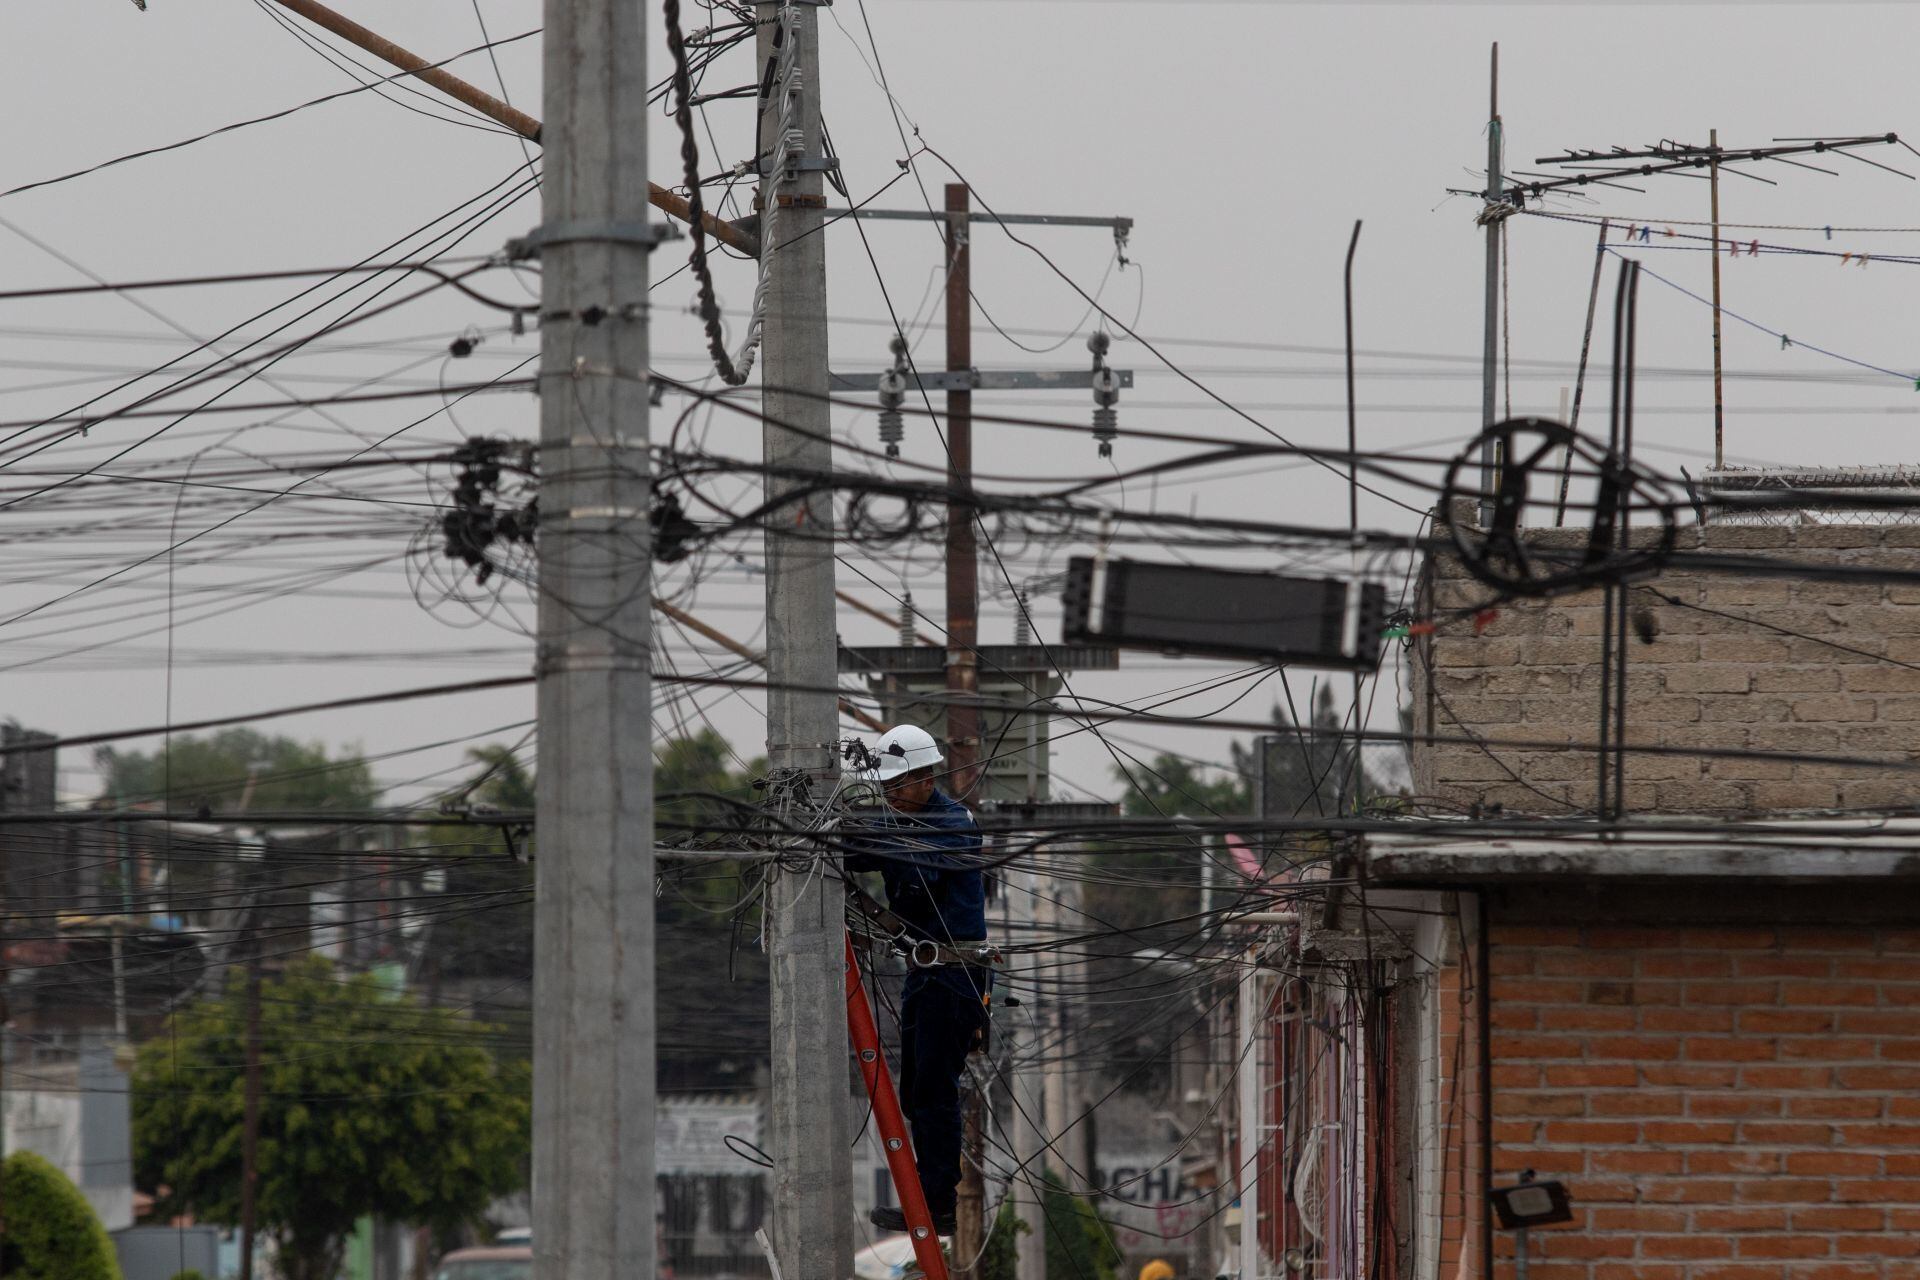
point(806, 918)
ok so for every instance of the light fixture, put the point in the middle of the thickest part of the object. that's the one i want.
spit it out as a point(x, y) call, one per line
point(1531, 1204)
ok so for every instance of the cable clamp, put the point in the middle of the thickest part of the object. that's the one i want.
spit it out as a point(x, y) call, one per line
point(792, 160)
point(576, 231)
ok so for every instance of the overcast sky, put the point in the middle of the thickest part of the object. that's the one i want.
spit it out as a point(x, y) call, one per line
point(1244, 139)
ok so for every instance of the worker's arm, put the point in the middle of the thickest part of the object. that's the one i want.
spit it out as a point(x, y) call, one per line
point(946, 839)
point(935, 840)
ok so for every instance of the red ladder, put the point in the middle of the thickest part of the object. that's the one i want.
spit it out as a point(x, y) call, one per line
point(893, 1127)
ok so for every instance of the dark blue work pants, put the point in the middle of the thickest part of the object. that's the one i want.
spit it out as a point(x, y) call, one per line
point(938, 1028)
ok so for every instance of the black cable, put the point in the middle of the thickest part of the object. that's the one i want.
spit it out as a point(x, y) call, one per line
point(242, 124)
point(708, 304)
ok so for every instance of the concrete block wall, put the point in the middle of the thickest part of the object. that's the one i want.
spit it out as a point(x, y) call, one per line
point(1724, 1102)
point(1734, 661)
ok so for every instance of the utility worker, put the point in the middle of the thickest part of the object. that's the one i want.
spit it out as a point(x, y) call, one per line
point(926, 847)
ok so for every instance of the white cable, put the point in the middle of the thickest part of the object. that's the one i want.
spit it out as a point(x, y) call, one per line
point(789, 145)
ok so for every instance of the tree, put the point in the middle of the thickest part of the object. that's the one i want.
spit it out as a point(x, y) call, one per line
point(235, 770)
point(1000, 1256)
point(486, 930)
point(52, 1232)
point(1080, 1245)
point(694, 781)
point(371, 1104)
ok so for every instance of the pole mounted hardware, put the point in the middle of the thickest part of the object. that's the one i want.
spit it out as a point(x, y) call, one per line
point(982, 380)
point(646, 235)
point(892, 387)
point(1106, 394)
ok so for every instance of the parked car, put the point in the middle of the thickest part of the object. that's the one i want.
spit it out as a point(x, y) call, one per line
point(488, 1262)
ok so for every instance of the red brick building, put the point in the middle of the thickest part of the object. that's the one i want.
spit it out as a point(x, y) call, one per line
point(1707, 1026)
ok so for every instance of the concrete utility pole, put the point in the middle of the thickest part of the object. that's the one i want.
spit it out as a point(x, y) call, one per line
point(250, 1114)
point(1029, 1120)
point(806, 919)
point(593, 1011)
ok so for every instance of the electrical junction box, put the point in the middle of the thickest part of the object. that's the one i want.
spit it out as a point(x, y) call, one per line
point(1225, 613)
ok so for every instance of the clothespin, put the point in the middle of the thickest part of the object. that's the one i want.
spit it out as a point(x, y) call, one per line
point(1785, 342)
point(1669, 233)
point(1829, 233)
point(1845, 257)
point(1864, 257)
point(1753, 248)
point(1646, 235)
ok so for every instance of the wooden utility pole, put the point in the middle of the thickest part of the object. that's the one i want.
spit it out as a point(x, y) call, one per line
point(970, 1212)
point(963, 585)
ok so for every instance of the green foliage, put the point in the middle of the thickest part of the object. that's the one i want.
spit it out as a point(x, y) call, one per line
point(695, 785)
point(52, 1232)
point(213, 772)
point(1000, 1259)
point(1305, 776)
point(489, 933)
point(371, 1104)
point(694, 780)
point(1080, 1245)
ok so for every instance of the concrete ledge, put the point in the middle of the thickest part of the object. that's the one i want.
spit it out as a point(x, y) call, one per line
point(1400, 861)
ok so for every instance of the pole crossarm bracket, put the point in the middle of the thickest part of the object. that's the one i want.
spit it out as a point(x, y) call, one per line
point(646, 235)
point(983, 380)
point(1121, 226)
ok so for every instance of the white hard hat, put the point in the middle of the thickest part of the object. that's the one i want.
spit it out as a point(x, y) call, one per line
point(902, 749)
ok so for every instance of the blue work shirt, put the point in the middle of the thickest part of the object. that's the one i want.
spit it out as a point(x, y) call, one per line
point(930, 862)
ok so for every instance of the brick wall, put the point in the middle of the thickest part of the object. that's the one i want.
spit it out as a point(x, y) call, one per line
point(1725, 1103)
point(1718, 673)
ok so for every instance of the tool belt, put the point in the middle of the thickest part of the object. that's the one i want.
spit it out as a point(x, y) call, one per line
point(921, 953)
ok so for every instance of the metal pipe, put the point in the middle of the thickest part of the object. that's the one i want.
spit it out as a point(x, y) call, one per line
point(1580, 378)
point(1719, 400)
point(1350, 784)
point(1495, 189)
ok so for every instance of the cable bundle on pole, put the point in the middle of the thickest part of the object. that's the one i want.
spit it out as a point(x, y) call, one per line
point(787, 146)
